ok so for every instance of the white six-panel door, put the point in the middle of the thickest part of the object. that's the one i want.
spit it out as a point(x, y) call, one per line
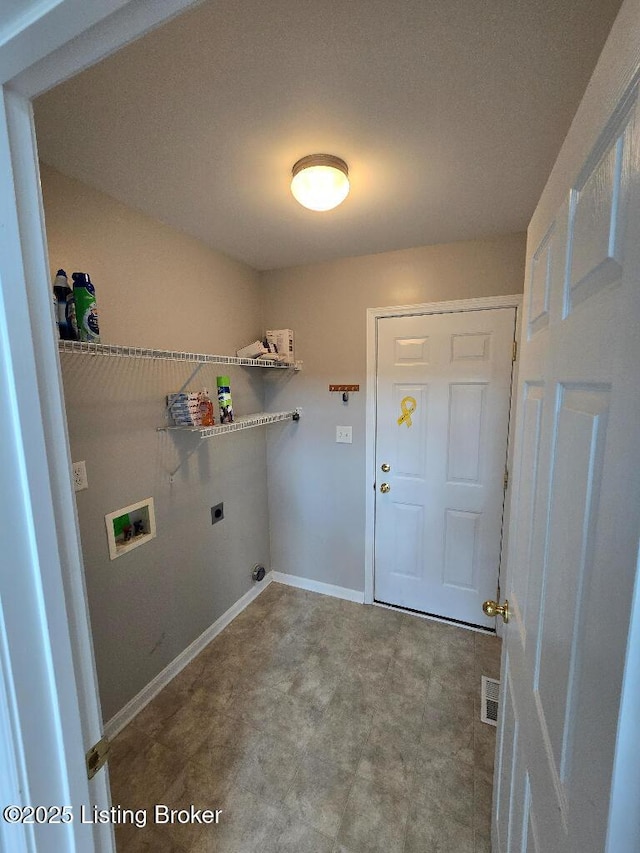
point(442, 410)
point(574, 536)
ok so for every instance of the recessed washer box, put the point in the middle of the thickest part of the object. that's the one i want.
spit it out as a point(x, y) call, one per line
point(130, 527)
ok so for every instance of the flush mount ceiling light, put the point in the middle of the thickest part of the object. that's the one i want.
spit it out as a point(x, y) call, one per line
point(320, 181)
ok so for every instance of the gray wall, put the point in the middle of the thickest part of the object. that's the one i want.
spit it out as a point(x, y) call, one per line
point(156, 287)
point(317, 487)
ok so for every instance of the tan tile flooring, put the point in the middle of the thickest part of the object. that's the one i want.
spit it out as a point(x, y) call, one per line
point(317, 726)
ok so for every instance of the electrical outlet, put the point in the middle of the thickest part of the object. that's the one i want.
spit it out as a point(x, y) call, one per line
point(217, 513)
point(344, 434)
point(80, 477)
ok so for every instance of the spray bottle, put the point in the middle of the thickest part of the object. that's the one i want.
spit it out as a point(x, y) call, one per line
point(224, 400)
point(86, 308)
point(65, 307)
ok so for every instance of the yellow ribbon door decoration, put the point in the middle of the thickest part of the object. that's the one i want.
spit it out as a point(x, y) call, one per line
point(408, 406)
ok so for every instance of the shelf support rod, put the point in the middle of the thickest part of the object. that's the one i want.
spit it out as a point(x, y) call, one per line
point(185, 385)
point(172, 474)
point(191, 377)
point(295, 415)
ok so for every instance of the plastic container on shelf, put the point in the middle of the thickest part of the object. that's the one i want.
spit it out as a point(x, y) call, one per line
point(206, 409)
point(65, 307)
point(224, 399)
point(86, 308)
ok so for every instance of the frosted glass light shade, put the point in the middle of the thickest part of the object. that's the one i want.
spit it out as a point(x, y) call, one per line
point(320, 181)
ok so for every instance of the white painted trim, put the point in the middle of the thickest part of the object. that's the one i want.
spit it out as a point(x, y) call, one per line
point(479, 304)
point(142, 699)
point(482, 303)
point(14, 837)
point(44, 25)
point(77, 35)
point(506, 517)
point(317, 586)
point(370, 453)
point(50, 655)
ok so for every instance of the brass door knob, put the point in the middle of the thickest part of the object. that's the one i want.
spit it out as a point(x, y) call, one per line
point(385, 467)
point(384, 488)
point(492, 608)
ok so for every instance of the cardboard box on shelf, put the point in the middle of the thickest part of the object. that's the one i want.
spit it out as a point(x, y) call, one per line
point(254, 350)
point(184, 409)
point(273, 356)
point(284, 341)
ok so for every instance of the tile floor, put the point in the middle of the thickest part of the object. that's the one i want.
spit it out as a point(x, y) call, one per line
point(317, 726)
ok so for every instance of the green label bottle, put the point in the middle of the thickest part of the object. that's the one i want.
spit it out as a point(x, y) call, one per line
point(224, 400)
point(86, 308)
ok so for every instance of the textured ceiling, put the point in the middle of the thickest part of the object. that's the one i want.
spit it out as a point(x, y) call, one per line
point(450, 114)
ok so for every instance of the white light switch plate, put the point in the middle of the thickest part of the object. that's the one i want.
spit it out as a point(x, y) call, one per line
point(344, 434)
point(80, 477)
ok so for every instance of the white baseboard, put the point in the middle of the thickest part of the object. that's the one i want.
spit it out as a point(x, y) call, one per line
point(135, 705)
point(317, 586)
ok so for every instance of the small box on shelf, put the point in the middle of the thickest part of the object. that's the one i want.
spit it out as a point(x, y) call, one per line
point(284, 341)
point(255, 350)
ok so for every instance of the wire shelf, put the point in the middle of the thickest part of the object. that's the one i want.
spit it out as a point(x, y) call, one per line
point(86, 348)
point(244, 422)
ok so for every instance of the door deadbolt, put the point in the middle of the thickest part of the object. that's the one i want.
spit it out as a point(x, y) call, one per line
point(492, 608)
point(384, 488)
point(385, 467)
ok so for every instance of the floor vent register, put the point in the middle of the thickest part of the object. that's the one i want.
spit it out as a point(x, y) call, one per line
point(490, 696)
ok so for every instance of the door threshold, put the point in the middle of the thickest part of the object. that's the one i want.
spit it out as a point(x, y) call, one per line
point(433, 618)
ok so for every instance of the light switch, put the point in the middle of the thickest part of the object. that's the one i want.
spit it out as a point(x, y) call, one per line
point(344, 434)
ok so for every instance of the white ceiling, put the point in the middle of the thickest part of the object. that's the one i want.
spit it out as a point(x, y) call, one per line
point(450, 114)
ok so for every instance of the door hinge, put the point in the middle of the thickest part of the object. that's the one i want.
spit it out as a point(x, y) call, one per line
point(506, 479)
point(515, 351)
point(97, 756)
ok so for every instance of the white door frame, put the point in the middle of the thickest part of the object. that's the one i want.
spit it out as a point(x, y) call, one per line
point(373, 314)
point(49, 707)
